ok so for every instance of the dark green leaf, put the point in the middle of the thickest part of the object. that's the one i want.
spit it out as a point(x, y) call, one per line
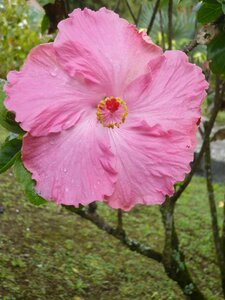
point(222, 2)
point(216, 54)
point(223, 7)
point(27, 184)
point(209, 12)
point(7, 118)
point(44, 24)
point(9, 152)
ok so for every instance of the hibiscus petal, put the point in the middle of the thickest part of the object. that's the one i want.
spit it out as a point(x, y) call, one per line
point(45, 98)
point(172, 96)
point(150, 161)
point(104, 48)
point(73, 167)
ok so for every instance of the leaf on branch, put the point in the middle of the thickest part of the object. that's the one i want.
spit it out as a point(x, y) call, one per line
point(219, 135)
point(216, 54)
point(9, 152)
point(27, 183)
point(209, 11)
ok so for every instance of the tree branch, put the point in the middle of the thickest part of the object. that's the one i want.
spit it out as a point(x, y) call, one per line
point(188, 48)
point(173, 257)
point(223, 229)
point(92, 207)
point(170, 24)
point(203, 37)
point(101, 224)
point(120, 222)
point(213, 211)
point(139, 13)
point(131, 12)
point(117, 5)
point(211, 197)
point(162, 30)
point(156, 7)
point(217, 105)
point(67, 7)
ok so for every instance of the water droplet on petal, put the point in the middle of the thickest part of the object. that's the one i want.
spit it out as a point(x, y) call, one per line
point(54, 72)
point(65, 170)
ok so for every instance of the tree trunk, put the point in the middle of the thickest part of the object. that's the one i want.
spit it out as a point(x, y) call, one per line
point(173, 257)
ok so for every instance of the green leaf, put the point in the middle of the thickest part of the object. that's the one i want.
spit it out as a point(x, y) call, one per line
point(9, 152)
point(222, 2)
point(223, 7)
point(216, 54)
point(7, 118)
point(27, 184)
point(44, 24)
point(209, 11)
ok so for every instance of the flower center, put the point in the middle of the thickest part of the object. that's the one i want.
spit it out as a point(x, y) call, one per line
point(111, 112)
point(112, 105)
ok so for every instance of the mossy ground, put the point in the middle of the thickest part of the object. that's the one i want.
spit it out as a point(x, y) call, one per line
point(48, 253)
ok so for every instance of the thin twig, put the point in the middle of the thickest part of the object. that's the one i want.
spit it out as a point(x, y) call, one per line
point(200, 130)
point(131, 244)
point(131, 12)
point(116, 8)
point(218, 101)
point(162, 30)
point(190, 46)
point(170, 24)
point(67, 7)
point(139, 13)
point(153, 16)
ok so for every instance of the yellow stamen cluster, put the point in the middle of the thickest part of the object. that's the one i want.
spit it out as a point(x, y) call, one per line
point(102, 104)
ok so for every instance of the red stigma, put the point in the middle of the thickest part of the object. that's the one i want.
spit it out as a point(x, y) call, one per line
point(112, 105)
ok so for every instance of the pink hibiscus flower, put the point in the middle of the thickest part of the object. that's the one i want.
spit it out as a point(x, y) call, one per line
point(108, 115)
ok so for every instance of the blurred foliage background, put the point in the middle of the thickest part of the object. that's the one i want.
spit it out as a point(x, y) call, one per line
point(20, 26)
